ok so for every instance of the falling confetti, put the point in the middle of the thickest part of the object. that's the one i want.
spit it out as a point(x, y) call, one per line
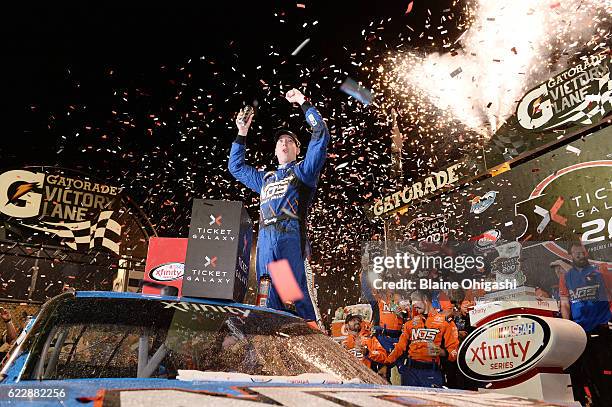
point(341, 165)
point(352, 88)
point(284, 281)
point(409, 8)
point(163, 131)
point(299, 48)
point(456, 72)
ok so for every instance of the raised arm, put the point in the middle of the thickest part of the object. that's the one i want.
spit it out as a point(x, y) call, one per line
point(237, 166)
point(308, 170)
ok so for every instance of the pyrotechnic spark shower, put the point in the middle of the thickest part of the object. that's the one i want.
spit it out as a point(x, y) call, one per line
point(507, 48)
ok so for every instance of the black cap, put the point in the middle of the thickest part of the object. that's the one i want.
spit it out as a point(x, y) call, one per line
point(285, 132)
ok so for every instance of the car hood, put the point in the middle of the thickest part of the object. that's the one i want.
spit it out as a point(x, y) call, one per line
point(170, 393)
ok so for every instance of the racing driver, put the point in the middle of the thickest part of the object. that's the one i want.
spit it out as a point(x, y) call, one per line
point(285, 195)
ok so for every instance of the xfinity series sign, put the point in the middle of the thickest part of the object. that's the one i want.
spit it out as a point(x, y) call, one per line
point(579, 95)
point(167, 272)
point(504, 348)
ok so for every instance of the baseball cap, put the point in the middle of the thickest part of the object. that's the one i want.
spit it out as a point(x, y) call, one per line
point(285, 132)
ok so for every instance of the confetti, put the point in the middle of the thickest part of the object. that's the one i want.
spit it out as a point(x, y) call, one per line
point(573, 149)
point(352, 88)
point(409, 8)
point(169, 128)
point(455, 72)
point(284, 281)
point(299, 48)
point(343, 165)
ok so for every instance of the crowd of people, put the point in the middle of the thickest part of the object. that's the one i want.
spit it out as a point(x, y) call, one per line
point(417, 339)
point(413, 342)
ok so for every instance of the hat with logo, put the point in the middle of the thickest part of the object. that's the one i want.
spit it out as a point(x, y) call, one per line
point(285, 132)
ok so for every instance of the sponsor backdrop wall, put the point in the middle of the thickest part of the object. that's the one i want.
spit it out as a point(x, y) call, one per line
point(562, 106)
point(543, 204)
point(576, 97)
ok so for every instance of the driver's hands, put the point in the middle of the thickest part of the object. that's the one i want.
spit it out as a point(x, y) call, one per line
point(295, 96)
point(243, 120)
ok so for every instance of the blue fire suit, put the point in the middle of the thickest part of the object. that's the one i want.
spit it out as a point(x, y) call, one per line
point(285, 196)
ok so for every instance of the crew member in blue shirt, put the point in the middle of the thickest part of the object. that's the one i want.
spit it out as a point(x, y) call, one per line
point(585, 299)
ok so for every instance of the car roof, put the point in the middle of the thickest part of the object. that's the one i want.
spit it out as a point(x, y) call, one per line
point(154, 297)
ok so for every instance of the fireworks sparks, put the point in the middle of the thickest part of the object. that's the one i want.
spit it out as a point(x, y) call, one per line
point(505, 49)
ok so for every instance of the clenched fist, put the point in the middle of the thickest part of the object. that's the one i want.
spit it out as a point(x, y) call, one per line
point(295, 96)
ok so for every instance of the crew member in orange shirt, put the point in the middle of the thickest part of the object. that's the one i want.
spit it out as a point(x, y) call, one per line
point(390, 320)
point(428, 336)
point(361, 343)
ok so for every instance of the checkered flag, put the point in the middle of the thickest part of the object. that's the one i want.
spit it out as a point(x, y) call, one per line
point(82, 236)
point(106, 232)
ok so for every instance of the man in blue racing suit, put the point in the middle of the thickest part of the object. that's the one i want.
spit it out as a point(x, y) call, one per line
point(285, 195)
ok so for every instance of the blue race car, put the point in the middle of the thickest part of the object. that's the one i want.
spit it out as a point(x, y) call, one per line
point(122, 349)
